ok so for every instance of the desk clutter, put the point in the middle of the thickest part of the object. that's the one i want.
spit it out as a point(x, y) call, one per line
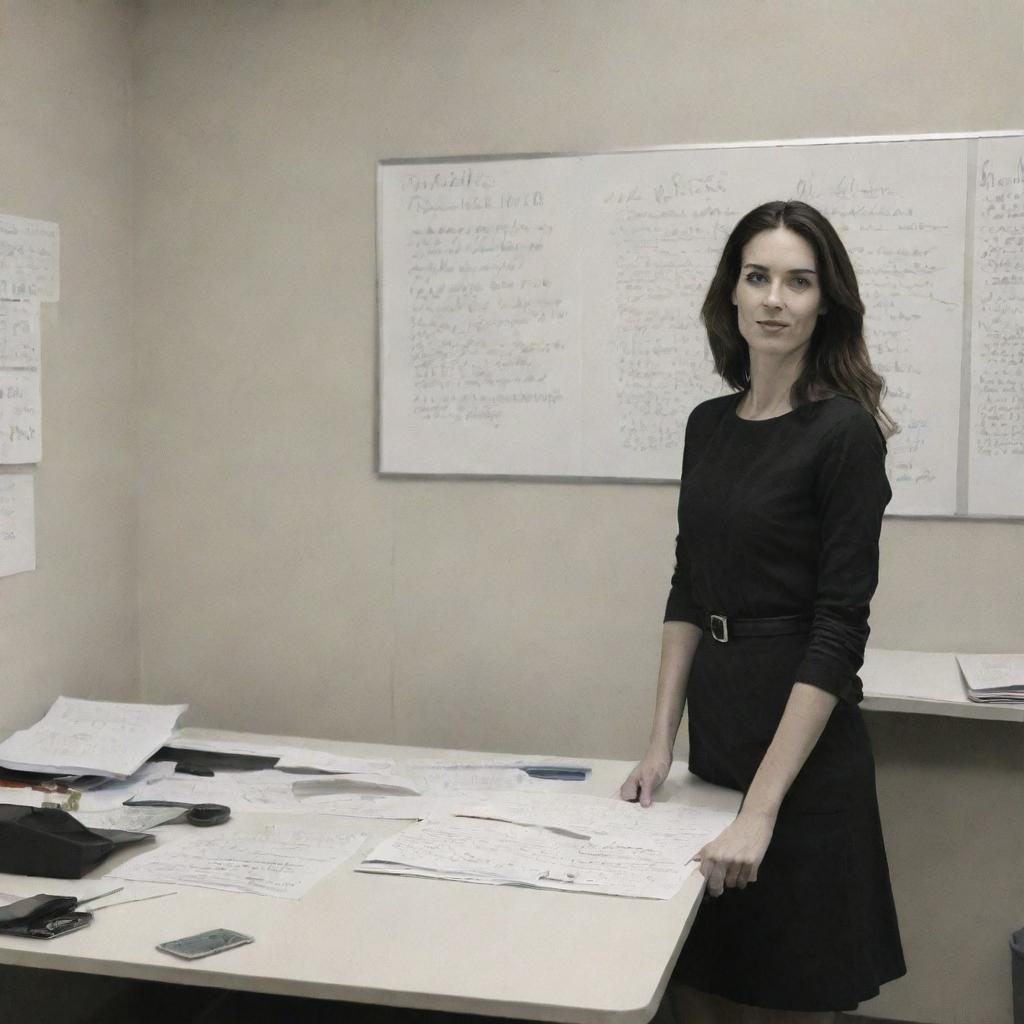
point(108, 774)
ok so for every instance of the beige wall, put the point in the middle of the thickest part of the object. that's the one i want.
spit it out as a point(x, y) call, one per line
point(65, 155)
point(282, 584)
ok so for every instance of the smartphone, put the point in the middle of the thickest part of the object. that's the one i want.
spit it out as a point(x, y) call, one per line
point(205, 943)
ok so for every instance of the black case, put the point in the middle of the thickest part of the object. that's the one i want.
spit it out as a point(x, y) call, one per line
point(50, 842)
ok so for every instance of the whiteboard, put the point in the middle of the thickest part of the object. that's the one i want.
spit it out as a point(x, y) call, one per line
point(539, 316)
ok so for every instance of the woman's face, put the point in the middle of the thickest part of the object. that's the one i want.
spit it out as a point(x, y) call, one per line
point(778, 296)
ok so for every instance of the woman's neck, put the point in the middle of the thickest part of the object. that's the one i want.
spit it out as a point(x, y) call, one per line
point(769, 392)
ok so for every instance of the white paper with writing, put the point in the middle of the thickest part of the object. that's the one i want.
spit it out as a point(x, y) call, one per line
point(640, 863)
point(19, 335)
point(91, 737)
point(29, 259)
point(21, 428)
point(996, 483)
point(17, 523)
point(275, 860)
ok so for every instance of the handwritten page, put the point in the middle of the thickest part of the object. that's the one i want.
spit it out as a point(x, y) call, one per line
point(20, 417)
point(996, 482)
point(993, 677)
point(91, 737)
point(275, 860)
point(19, 335)
point(17, 523)
point(29, 259)
point(480, 315)
point(498, 852)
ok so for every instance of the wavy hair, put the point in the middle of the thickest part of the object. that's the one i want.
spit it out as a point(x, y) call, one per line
point(837, 360)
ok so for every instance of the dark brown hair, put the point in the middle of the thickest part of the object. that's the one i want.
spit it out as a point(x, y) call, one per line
point(837, 360)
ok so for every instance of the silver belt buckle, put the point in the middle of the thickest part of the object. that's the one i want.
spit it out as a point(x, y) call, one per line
point(719, 626)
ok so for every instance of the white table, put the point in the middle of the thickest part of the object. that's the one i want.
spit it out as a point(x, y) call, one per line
point(403, 941)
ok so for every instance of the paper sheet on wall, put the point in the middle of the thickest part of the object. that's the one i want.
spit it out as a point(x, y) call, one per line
point(996, 482)
point(276, 860)
point(91, 737)
point(20, 335)
point(21, 429)
point(29, 259)
point(17, 523)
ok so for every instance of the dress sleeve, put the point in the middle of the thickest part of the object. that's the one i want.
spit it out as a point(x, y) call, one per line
point(851, 492)
point(681, 606)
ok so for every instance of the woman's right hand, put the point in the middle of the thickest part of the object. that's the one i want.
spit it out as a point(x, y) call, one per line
point(647, 776)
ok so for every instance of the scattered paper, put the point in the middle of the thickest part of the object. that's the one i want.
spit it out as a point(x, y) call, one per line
point(91, 737)
point(276, 860)
point(500, 853)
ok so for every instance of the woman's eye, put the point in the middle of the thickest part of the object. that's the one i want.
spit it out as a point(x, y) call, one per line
point(801, 282)
point(755, 277)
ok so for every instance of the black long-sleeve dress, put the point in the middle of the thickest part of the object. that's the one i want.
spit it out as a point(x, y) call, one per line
point(781, 517)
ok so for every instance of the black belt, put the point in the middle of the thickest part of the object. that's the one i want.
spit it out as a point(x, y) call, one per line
point(723, 629)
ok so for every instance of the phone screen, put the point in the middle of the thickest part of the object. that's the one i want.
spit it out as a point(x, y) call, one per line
point(205, 943)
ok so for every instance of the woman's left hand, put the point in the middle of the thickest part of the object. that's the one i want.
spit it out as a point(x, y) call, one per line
point(733, 857)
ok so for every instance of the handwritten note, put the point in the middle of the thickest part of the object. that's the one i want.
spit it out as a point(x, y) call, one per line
point(276, 860)
point(997, 330)
point(17, 524)
point(19, 335)
point(29, 259)
point(20, 417)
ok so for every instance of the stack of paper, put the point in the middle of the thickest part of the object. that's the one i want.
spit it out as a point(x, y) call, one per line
point(993, 677)
point(91, 737)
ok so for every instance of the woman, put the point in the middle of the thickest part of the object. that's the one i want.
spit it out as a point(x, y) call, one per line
point(780, 507)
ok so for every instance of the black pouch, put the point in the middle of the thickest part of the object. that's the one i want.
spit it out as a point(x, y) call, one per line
point(50, 842)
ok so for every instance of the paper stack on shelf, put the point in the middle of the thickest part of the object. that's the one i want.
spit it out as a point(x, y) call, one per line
point(993, 677)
